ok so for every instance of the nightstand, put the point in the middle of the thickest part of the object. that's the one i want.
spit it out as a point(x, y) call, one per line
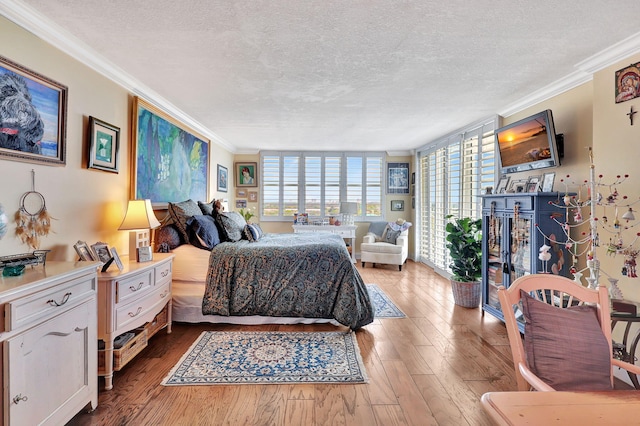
point(137, 299)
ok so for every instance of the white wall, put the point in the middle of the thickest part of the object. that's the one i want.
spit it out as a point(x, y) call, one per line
point(87, 204)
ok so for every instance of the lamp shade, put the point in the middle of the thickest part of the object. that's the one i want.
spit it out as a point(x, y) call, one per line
point(348, 207)
point(139, 216)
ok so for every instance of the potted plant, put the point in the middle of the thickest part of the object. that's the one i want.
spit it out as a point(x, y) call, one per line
point(464, 241)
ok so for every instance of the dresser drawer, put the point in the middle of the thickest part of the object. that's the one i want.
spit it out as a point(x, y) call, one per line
point(163, 273)
point(31, 309)
point(131, 312)
point(134, 287)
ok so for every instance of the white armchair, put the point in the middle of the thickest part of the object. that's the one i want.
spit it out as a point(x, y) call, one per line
point(386, 243)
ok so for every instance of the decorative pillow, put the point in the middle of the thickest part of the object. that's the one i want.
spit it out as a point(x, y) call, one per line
point(203, 232)
point(231, 225)
point(566, 347)
point(391, 236)
point(207, 208)
point(378, 228)
point(252, 232)
point(181, 212)
point(168, 238)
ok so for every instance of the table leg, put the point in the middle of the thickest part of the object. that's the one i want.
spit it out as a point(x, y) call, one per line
point(108, 364)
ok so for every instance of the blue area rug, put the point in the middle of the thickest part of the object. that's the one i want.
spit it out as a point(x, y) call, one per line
point(262, 357)
point(383, 306)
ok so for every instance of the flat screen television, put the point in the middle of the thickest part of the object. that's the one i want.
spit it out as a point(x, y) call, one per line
point(528, 144)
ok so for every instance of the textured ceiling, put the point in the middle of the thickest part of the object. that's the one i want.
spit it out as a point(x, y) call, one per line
point(342, 75)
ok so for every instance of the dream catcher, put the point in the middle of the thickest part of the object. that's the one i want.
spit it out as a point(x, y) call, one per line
point(32, 219)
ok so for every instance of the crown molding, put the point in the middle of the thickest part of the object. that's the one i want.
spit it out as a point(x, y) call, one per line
point(33, 21)
point(584, 73)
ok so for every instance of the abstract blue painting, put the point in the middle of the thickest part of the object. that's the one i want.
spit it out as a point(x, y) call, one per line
point(171, 162)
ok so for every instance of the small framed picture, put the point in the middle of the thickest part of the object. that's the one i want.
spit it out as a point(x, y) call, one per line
point(253, 196)
point(104, 143)
point(116, 259)
point(246, 174)
point(547, 181)
point(241, 204)
point(532, 187)
point(503, 183)
point(83, 251)
point(397, 205)
point(101, 252)
point(241, 193)
point(144, 254)
point(518, 185)
point(223, 178)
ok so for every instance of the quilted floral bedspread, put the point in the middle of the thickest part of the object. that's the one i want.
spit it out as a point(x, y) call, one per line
point(287, 275)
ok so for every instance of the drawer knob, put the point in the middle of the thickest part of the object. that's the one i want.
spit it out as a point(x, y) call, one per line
point(132, 288)
point(65, 299)
point(19, 397)
point(131, 314)
point(164, 294)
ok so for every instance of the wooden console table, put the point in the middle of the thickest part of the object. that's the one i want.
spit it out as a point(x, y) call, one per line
point(129, 299)
point(345, 231)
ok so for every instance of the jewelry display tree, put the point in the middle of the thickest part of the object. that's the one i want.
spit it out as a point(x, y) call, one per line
point(581, 227)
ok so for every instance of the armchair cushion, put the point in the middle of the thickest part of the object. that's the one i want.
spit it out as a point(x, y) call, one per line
point(391, 236)
point(378, 228)
point(566, 348)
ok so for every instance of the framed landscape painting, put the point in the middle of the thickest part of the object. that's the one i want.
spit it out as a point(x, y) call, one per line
point(33, 116)
point(170, 161)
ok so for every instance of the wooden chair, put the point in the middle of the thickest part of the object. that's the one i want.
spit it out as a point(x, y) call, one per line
point(561, 293)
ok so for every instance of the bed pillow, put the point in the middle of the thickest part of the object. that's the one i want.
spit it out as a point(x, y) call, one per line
point(231, 226)
point(252, 232)
point(207, 208)
point(566, 347)
point(203, 232)
point(168, 238)
point(180, 214)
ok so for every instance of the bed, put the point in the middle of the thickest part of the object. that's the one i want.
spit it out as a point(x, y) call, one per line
point(280, 278)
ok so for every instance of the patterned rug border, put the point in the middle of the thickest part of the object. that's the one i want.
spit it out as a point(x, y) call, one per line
point(359, 376)
point(396, 312)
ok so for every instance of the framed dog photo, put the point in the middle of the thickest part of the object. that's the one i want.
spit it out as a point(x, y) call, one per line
point(37, 107)
point(101, 252)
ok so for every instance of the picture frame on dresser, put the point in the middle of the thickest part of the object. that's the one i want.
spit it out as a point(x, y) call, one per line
point(116, 259)
point(83, 251)
point(503, 184)
point(101, 252)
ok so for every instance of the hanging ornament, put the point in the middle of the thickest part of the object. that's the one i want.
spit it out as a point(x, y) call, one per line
point(628, 215)
point(34, 221)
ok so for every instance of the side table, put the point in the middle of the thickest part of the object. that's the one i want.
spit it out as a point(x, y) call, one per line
point(345, 231)
point(129, 299)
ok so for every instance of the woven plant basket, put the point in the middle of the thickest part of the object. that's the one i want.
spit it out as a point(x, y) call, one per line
point(466, 294)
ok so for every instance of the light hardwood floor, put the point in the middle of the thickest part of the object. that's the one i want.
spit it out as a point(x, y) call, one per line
point(427, 369)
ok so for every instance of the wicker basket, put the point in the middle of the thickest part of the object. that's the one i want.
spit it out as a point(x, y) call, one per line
point(466, 294)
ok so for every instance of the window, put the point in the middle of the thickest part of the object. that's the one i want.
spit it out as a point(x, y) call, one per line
point(316, 183)
point(452, 172)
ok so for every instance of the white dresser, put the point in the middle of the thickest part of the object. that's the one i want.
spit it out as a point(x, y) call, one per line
point(49, 343)
point(345, 231)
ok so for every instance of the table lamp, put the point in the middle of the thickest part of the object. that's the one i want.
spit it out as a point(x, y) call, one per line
point(139, 219)
point(348, 209)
